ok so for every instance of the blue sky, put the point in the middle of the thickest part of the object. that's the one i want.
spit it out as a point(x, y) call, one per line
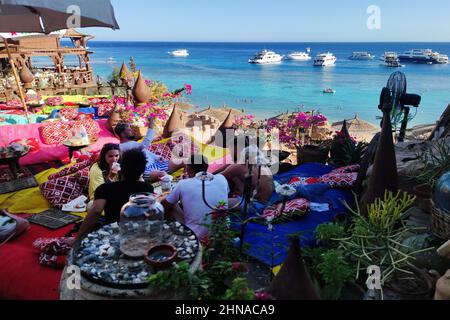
point(278, 20)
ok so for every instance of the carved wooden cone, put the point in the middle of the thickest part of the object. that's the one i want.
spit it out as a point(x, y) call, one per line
point(141, 92)
point(124, 74)
point(293, 281)
point(174, 124)
point(384, 174)
point(344, 129)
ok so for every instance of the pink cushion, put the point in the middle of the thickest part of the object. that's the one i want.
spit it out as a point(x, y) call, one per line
point(59, 132)
point(340, 180)
point(293, 208)
point(50, 152)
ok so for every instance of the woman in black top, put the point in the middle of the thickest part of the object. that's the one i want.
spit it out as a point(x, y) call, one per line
point(111, 197)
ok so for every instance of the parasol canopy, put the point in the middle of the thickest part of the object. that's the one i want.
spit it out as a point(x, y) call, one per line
point(357, 125)
point(220, 113)
point(47, 16)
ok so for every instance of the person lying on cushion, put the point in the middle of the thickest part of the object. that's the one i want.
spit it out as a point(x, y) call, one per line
point(111, 197)
point(106, 169)
point(155, 167)
point(235, 173)
point(195, 213)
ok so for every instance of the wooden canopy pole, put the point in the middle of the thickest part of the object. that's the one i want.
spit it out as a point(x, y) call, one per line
point(16, 76)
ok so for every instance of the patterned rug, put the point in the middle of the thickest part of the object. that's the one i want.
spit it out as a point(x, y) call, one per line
point(9, 184)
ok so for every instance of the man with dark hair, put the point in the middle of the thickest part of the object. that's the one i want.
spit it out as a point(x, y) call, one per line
point(111, 197)
point(155, 166)
point(195, 212)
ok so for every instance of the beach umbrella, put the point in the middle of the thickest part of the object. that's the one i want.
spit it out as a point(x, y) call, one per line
point(48, 16)
point(357, 125)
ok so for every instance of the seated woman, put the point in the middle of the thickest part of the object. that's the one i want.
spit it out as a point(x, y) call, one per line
point(105, 170)
point(111, 197)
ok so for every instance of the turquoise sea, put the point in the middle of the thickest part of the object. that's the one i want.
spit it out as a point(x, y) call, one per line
point(220, 74)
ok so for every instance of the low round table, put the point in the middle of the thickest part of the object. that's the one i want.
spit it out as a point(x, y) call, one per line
point(99, 280)
point(13, 164)
point(72, 148)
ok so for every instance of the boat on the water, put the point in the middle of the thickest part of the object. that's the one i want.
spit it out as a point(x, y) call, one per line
point(390, 59)
point(440, 58)
point(325, 60)
point(329, 91)
point(179, 53)
point(418, 56)
point(361, 56)
point(299, 56)
point(266, 57)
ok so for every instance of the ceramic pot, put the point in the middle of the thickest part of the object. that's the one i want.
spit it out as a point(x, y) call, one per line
point(26, 77)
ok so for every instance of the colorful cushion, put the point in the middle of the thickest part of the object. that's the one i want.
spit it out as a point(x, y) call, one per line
point(297, 181)
point(71, 170)
point(340, 180)
point(294, 208)
point(162, 149)
point(104, 109)
point(61, 191)
point(348, 169)
point(69, 113)
point(59, 132)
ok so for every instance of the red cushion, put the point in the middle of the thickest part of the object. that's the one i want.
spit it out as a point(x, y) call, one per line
point(293, 208)
point(71, 170)
point(104, 109)
point(296, 181)
point(69, 113)
point(340, 180)
point(61, 191)
point(162, 149)
point(348, 169)
point(58, 132)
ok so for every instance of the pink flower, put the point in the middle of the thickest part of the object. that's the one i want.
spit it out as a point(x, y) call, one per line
point(262, 296)
point(188, 88)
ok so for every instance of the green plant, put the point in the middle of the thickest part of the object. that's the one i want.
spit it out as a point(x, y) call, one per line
point(346, 151)
point(334, 272)
point(179, 279)
point(328, 231)
point(436, 162)
point(220, 264)
point(377, 240)
point(239, 291)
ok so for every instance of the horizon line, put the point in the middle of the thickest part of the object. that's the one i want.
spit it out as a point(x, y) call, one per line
point(229, 41)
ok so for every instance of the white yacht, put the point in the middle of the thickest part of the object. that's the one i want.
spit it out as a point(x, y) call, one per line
point(440, 58)
point(418, 56)
point(325, 59)
point(266, 57)
point(361, 56)
point(179, 53)
point(299, 56)
point(390, 59)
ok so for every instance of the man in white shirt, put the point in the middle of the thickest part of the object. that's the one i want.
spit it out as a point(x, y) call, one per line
point(195, 213)
point(156, 167)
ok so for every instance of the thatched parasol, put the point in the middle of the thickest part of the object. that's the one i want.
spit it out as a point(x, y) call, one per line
point(356, 125)
point(221, 113)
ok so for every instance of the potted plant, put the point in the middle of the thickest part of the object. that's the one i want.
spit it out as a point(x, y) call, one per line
point(345, 150)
